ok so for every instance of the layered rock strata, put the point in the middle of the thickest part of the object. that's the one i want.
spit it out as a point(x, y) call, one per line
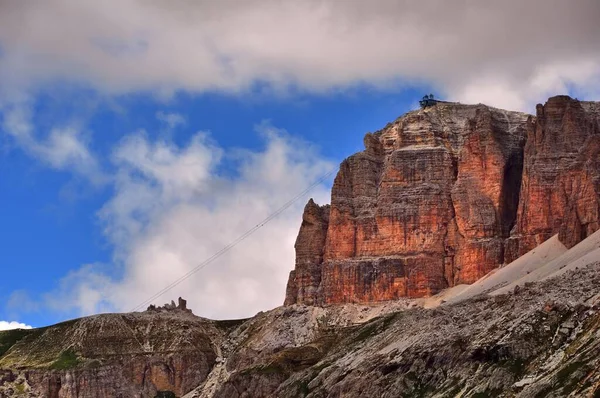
point(110, 355)
point(444, 195)
point(561, 177)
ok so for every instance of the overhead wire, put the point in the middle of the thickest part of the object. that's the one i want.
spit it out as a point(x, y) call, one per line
point(235, 242)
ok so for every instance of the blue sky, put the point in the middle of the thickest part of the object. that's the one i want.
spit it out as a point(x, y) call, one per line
point(57, 209)
point(133, 145)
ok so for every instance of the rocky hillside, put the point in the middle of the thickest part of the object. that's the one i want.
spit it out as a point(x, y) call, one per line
point(541, 339)
point(110, 355)
point(446, 194)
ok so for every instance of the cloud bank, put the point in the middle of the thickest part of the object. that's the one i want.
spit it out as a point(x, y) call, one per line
point(510, 53)
point(173, 208)
point(9, 325)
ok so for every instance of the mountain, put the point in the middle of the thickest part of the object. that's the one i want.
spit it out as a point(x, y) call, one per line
point(446, 194)
point(460, 257)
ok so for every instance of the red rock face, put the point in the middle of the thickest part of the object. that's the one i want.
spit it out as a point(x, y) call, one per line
point(305, 279)
point(432, 200)
point(561, 178)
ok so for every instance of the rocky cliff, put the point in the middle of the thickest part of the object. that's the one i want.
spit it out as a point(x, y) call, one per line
point(560, 192)
point(444, 195)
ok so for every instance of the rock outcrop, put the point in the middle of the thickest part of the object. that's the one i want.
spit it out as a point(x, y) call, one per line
point(180, 306)
point(561, 177)
point(310, 246)
point(446, 194)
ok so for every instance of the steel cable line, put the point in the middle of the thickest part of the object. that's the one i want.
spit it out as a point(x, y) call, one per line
point(235, 242)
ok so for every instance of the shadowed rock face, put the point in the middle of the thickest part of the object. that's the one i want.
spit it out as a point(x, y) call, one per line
point(433, 198)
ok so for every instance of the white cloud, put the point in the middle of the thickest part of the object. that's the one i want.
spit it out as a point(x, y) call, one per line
point(171, 120)
point(173, 208)
point(8, 325)
point(508, 53)
point(62, 148)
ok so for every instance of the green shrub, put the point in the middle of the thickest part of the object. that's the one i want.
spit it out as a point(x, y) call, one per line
point(8, 338)
point(67, 360)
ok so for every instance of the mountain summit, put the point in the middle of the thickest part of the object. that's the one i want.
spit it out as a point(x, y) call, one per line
point(446, 194)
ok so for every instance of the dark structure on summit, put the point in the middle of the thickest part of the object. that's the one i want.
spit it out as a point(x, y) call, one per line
point(427, 101)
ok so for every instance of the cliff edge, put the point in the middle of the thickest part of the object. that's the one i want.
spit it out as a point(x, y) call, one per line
point(444, 195)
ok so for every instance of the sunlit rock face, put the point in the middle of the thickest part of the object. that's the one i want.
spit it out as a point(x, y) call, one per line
point(433, 198)
point(305, 280)
point(561, 177)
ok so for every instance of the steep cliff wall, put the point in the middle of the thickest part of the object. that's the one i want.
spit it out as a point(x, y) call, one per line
point(433, 198)
point(561, 178)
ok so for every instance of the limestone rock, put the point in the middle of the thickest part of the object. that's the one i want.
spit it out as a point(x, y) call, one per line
point(428, 204)
point(444, 195)
point(542, 342)
point(561, 177)
point(304, 281)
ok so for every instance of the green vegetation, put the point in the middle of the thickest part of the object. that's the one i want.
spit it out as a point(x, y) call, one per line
point(20, 389)
point(566, 373)
point(303, 389)
point(563, 375)
point(9, 338)
point(67, 360)
point(390, 319)
point(376, 326)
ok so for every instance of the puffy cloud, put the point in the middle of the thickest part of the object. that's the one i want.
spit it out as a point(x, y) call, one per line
point(173, 207)
point(62, 148)
point(171, 120)
point(508, 53)
point(8, 325)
